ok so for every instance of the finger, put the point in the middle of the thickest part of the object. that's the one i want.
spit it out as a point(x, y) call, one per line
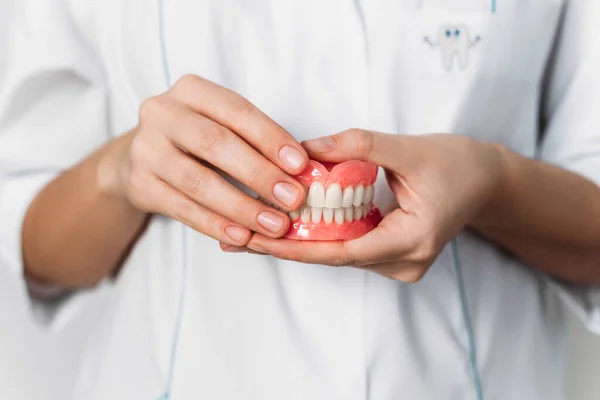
point(222, 148)
point(356, 144)
point(176, 205)
point(326, 253)
point(380, 245)
point(233, 249)
point(233, 111)
point(209, 189)
point(406, 272)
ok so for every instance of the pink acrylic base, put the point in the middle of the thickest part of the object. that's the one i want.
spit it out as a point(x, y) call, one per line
point(327, 232)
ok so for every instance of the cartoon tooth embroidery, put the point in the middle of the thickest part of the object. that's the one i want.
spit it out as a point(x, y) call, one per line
point(339, 205)
point(454, 42)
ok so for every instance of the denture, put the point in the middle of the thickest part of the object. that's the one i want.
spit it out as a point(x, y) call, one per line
point(339, 205)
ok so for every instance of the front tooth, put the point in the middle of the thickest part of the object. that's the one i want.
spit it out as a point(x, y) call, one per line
point(328, 215)
point(357, 213)
point(294, 215)
point(349, 214)
point(305, 214)
point(333, 198)
point(316, 195)
point(367, 209)
point(348, 197)
point(339, 216)
point(369, 192)
point(358, 195)
point(316, 213)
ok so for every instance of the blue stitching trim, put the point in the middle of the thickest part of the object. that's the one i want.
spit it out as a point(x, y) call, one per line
point(184, 263)
point(467, 321)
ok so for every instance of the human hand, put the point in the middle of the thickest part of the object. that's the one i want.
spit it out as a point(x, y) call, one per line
point(170, 163)
point(440, 183)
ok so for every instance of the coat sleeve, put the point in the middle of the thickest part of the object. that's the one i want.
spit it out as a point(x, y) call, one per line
point(53, 111)
point(571, 121)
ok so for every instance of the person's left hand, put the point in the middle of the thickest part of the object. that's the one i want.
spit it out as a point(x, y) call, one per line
point(441, 184)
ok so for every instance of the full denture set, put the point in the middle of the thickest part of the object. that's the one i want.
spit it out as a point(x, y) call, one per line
point(339, 205)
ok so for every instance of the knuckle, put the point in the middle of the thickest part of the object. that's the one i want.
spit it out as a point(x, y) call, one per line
point(212, 140)
point(208, 223)
point(146, 154)
point(193, 182)
point(253, 177)
point(183, 209)
point(186, 81)
point(138, 149)
point(364, 141)
point(151, 107)
point(244, 108)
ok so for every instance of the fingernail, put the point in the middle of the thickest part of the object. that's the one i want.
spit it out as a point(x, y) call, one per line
point(236, 233)
point(291, 157)
point(270, 221)
point(320, 145)
point(286, 193)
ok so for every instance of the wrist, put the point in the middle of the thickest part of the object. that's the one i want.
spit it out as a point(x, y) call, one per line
point(110, 168)
point(502, 188)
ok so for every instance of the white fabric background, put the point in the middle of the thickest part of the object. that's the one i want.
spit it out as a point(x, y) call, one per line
point(39, 366)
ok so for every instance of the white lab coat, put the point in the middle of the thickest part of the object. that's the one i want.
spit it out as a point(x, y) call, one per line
point(189, 320)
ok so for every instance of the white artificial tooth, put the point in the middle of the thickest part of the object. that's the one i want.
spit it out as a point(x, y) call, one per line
point(339, 216)
point(358, 213)
point(349, 214)
point(305, 214)
point(328, 215)
point(348, 197)
point(367, 209)
point(369, 193)
point(358, 195)
point(316, 213)
point(294, 215)
point(333, 198)
point(316, 195)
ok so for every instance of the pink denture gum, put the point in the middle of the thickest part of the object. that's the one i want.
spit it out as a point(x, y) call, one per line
point(339, 205)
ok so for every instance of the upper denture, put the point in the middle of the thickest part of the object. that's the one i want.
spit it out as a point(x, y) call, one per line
point(349, 173)
point(339, 185)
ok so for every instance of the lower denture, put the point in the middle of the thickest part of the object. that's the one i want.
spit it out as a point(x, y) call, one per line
point(339, 204)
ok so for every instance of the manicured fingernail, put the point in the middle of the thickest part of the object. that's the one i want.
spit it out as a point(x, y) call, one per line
point(291, 157)
point(236, 233)
point(286, 193)
point(270, 221)
point(320, 145)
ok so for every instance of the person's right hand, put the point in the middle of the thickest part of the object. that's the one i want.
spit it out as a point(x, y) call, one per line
point(168, 163)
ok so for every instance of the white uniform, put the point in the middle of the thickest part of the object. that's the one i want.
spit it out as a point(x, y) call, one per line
point(189, 322)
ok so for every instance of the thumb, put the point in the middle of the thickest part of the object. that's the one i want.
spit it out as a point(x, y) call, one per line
point(357, 144)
